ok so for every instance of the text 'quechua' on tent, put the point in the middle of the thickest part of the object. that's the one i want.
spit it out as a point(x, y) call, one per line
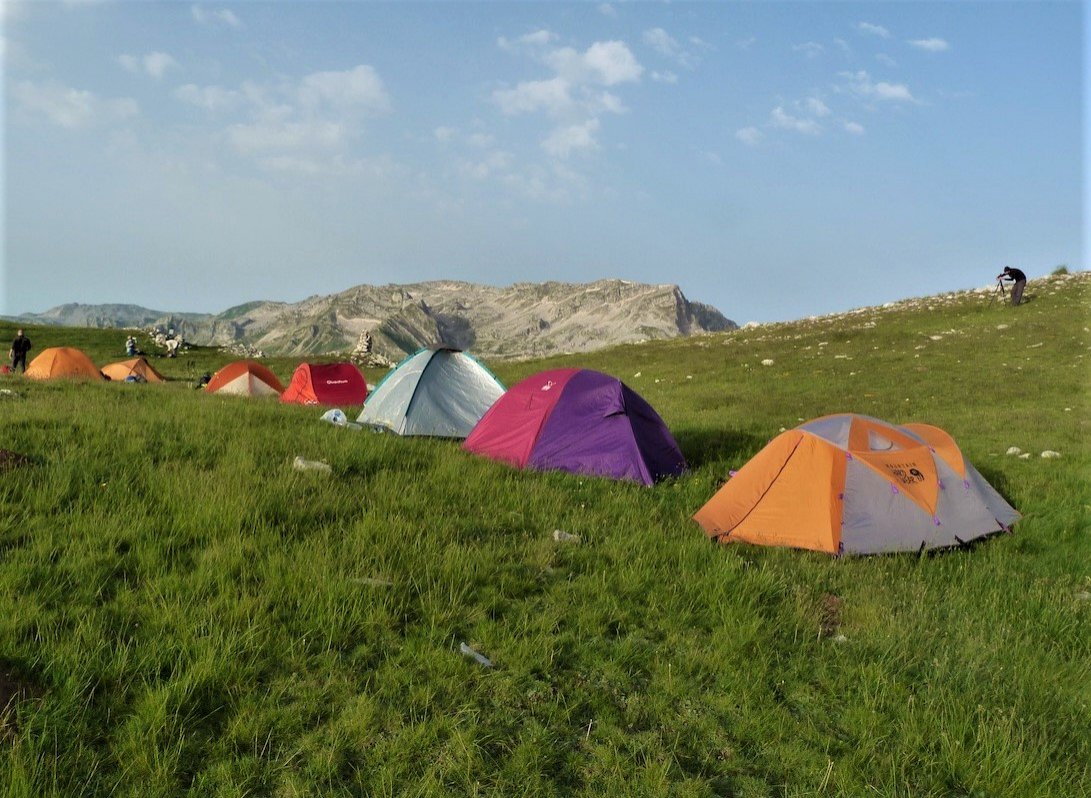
point(857, 485)
point(438, 392)
point(580, 421)
point(62, 363)
point(136, 370)
point(245, 378)
point(330, 384)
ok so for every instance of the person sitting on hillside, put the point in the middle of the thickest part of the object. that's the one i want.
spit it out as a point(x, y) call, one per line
point(18, 352)
point(1020, 280)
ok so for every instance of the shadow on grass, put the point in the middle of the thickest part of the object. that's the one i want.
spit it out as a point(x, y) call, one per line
point(707, 445)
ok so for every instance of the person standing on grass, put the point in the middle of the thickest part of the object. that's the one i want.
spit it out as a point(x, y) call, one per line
point(18, 352)
point(1020, 280)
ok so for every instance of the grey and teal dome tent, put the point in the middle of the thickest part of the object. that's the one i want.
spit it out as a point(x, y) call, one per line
point(439, 392)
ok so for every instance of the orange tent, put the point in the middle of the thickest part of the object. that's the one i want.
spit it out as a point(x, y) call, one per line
point(245, 378)
point(137, 367)
point(855, 484)
point(62, 362)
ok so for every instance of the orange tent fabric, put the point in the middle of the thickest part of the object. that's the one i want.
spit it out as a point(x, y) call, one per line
point(854, 484)
point(137, 367)
point(62, 362)
point(245, 378)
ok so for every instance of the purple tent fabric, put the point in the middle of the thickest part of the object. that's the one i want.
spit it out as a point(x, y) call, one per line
point(599, 426)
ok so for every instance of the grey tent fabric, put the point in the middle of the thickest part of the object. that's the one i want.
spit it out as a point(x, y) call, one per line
point(435, 392)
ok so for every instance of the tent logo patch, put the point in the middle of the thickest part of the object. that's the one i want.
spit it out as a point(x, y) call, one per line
point(906, 473)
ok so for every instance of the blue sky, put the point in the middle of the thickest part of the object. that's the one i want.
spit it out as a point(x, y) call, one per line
point(776, 160)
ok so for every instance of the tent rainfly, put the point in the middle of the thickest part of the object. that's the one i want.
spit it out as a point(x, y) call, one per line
point(139, 369)
point(245, 378)
point(62, 362)
point(329, 384)
point(580, 421)
point(856, 485)
point(439, 392)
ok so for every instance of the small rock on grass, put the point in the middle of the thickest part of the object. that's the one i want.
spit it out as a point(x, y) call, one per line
point(561, 536)
point(1014, 450)
point(1024, 456)
point(1049, 454)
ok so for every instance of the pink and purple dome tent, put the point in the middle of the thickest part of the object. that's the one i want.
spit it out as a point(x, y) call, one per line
point(580, 421)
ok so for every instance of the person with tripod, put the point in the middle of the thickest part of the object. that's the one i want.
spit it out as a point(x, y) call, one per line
point(1020, 280)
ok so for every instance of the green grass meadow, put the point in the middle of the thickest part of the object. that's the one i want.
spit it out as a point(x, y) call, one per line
point(186, 615)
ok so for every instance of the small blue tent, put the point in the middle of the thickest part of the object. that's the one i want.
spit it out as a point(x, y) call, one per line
point(439, 392)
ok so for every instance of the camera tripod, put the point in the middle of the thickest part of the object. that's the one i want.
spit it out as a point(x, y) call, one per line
point(999, 291)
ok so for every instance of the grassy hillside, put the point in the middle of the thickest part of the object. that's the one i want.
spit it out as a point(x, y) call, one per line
point(181, 613)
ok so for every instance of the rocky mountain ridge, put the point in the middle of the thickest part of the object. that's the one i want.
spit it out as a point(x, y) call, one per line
point(517, 321)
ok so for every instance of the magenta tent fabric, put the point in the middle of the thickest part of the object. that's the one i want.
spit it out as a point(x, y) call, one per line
point(580, 421)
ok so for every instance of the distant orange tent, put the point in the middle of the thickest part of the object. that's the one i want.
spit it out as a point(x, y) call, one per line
point(138, 368)
point(245, 378)
point(856, 485)
point(62, 362)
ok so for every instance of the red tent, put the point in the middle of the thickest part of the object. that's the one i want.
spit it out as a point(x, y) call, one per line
point(330, 384)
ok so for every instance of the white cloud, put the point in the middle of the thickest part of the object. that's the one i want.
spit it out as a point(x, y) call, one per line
point(211, 98)
point(932, 45)
point(746, 44)
point(661, 41)
point(360, 88)
point(496, 162)
point(564, 141)
point(854, 128)
point(224, 16)
point(664, 77)
point(607, 10)
point(605, 63)
point(885, 60)
point(71, 108)
point(785, 121)
point(860, 83)
point(873, 30)
point(537, 39)
point(748, 135)
point(481, 140)
point(154, 64)
point(276, 133)
point(668, 47)
point(552, 96)
point(444, 134)
point(817, 107)
point(809, 49)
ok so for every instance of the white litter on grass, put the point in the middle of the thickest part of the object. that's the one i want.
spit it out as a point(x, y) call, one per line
point(1001, 326)
point(840, 639)
point(637, 374)
point(767, 362)
point(1068, 409)
point(1049, 454)
point(335, 416)
point(1024, 456)
point(300, 464)
point(936, 337)
point(561, 536)
point(1014, 450)
point(1034, 346)
point(480, 659)
point(689, 376)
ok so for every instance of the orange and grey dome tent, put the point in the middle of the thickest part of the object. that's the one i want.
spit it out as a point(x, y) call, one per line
point(245, 378)
point(138, 367)
point(856, 485)
point(330, 384)
point(62, 362)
